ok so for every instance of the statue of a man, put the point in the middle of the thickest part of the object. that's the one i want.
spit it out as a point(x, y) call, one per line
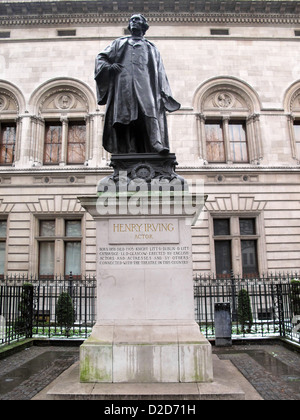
point(132, 82)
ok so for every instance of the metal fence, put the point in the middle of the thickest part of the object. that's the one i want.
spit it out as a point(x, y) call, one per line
point(261, 307)
point(66, 307)
point(46, 307)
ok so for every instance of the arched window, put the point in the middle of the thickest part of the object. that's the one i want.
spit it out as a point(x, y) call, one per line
point(228, 122)
point(292, 108)
point(10, 102)
point(61, 127)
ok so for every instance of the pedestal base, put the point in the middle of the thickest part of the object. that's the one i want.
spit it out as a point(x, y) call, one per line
point(228, 384)
point(146, 354)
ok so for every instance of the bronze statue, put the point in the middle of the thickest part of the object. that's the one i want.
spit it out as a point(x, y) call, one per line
point(132, 82)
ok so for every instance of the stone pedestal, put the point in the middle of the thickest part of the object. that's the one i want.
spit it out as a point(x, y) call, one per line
point(145, 330)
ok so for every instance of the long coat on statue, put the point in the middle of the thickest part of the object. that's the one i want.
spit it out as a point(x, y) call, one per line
point(140, 92)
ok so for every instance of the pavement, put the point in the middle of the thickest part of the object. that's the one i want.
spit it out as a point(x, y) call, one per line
point(267, 371)
point(24, 374)
point(273, 370)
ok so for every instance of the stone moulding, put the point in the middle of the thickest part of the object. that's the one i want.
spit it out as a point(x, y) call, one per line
point(153, 17)
point(47, 7)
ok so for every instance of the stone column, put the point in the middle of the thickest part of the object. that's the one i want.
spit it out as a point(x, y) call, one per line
point(202, 137)
point(229, 157)
point(64, 146)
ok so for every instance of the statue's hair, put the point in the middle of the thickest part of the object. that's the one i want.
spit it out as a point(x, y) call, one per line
point(145, 23)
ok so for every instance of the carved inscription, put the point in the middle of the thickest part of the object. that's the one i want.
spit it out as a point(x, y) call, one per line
point(143, 232)
point(144, 255)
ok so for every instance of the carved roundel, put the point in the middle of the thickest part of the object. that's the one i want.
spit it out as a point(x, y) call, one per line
point(224, 100)
point(143, 171)
point(3, 102)
point(64, 101)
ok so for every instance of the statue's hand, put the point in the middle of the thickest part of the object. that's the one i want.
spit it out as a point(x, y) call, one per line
point(116, 68)
point(169, 103)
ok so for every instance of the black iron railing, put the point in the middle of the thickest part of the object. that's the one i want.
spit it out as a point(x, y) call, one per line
point(46, 307)
point(66, 306)
point(265, 306)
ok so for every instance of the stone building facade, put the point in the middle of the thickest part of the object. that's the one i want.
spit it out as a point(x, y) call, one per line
point(233, 65)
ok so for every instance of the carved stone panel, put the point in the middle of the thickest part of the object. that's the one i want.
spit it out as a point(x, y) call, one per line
point(8, 102)
point(222, 99)
point(63, 99)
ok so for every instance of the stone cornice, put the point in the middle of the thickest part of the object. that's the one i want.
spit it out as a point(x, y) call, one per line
point(204, 169)
point(60, 12)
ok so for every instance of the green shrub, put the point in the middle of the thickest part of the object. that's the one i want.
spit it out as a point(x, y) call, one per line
point(245, 318)
point(23, 324)
point(65, 313)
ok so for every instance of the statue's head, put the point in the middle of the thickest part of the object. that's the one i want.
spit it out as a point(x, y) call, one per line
point(138, 22)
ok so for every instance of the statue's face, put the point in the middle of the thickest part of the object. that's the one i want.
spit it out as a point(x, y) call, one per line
point(136, 23)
